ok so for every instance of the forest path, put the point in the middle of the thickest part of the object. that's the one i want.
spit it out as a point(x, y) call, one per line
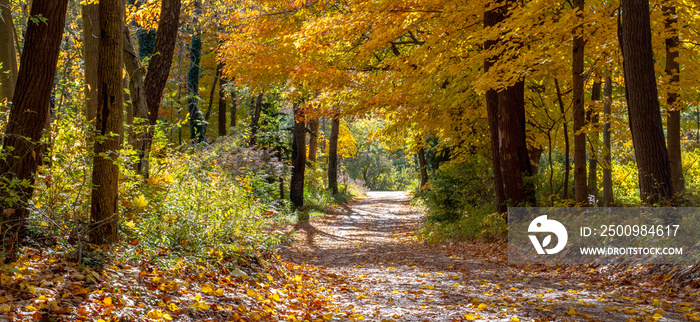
point(385, 273)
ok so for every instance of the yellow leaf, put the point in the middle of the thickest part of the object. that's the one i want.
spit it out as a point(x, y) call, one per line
point(107, 301)
point(482, 306)
point(469, 317)
point(219, 292)
point(140, 202)
point(515, 319)
point(656, 316)
point(251, 292)
point(130, 224)
point(206, 289)
point(571, 311)
point(172, 307)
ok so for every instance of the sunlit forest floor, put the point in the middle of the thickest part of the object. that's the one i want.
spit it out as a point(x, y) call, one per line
point(392, 276)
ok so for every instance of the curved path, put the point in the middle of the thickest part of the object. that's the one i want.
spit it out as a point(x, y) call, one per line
point(385, 274)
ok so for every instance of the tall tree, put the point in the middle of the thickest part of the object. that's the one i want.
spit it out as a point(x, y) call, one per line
point(109, 124)
point(492, 17)
point(333, 155)
point(159, 68)
point(222, 107)
point(423, 168)
point(234, 108)
point(673, 121)
point(197, 123)
point(137, 90)
point(567, 145)
point(91, 40)
point(607, 157)
point(580, 189)
point(28, 117)
point(515, 161)
point(296, 190)
point(8, 53)
point(594, 141)
point(313, 140)
point(255, 109)
point(653, 166)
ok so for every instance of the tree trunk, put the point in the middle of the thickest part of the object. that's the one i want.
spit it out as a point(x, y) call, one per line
point(491, 18)
point(222, 107)
point(296, 190)
point(234, 108)
point(653, 164)
point(28, 117)
point(109, 125)
point(673, 121)
point(579, 114)
point(313, 140)
point(217, 76)
point(91, 40)
point(567, 147)
point(333, 155)
point(159, 69)
point(535, 154)
point(8, 53)
point(594, 140)
point(515, 162)
point(255, 119)
point(198, 125)
point(137, 89)
point(607, 159)
point(423, 168)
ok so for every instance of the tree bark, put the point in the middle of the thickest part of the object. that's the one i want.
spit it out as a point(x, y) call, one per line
point(234, 108)
point(217, 76)
point(423, 168)
point(159, 70)
point(296, 190)
point(607, 159)
point(255, 119)
point(197, 122)
point(653, 164)
point(567, 147)
point(159, 67)
point(594, 140)
point(91, 40)
point(109, 125)
point(313, 140)
point(8, 53)
point(491, 18)
point(579, 114)
point(28, 117)
point(137, 89)
point(673, 121)
point(515, 162)
point(333, 155)
point(222, 107)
